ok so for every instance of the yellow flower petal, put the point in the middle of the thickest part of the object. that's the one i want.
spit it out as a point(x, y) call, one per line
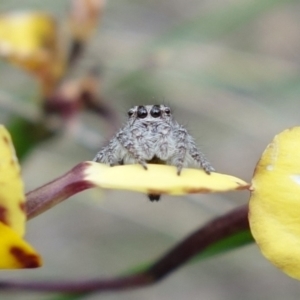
point(27, 38)
point(274, 211)
point(160, 179)
point(14, 252)
point(11, 186)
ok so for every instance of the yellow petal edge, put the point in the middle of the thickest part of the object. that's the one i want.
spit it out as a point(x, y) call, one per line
point(12, 197)
point(161, 179)
point(14, 252)
point(274, 208)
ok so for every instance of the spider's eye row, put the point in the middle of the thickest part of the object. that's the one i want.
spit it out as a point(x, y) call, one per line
point(142, 112)
point(130, 113)
point(167, 110)
point(155, 111)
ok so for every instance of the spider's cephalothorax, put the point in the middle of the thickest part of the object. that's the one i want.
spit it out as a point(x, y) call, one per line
point(151, 135)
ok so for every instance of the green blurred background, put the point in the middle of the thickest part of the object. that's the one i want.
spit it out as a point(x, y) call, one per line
point(231, 72)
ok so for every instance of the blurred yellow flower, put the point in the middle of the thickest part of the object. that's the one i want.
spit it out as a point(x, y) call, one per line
point(274, 209)
point(31, 41)
point(27, 38)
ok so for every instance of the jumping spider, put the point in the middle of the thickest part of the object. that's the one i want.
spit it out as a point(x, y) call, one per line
point(151, 135)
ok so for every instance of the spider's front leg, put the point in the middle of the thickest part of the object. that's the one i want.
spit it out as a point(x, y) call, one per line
point(198, 156)
point(180, 136)
point(184, 144)
point(127, 141)
point(110, 154)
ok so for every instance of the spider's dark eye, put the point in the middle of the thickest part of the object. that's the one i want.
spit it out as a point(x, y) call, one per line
point(155, 111)
point(130, 113)
point(167, 110)
point(142, 112)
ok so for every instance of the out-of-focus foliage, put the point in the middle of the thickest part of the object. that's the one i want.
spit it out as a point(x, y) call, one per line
point(83, 18)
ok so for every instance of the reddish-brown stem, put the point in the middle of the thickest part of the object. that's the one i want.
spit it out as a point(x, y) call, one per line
point(119, 283)
point(56, 191)
point(214, 231)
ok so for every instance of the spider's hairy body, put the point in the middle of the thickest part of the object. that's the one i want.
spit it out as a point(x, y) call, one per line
point(151, 135)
